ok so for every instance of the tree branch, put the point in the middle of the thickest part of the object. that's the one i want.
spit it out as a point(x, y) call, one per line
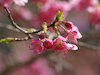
point(14, 24)
point(23, 30)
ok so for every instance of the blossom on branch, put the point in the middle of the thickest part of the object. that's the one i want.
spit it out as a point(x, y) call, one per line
point(37, 46)
point(58, 44)
point(44, 41)
point(48, 43)
point(61, 45)
point(72, 33)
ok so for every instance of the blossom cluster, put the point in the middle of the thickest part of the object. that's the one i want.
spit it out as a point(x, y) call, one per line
point(57, 44)
point(47, 12)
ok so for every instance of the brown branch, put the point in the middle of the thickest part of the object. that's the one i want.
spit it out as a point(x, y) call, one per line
point(21, 39)
point(51, 25)
point(23, 30)
point(14, 24)
point(30, 36)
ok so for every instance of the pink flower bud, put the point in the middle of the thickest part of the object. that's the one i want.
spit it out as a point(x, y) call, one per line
point(48, 43)
point(68, 25)
point(73, 33)
point(41, 36)
point(59, 44)
point(37, 46)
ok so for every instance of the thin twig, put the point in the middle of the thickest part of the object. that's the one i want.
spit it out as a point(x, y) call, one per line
point(21, 39)
point(29, 34)
point(51, 25)
point(14, 24)
point(23, 30)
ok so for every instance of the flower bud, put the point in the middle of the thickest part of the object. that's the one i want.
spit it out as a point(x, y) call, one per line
point(48, 43)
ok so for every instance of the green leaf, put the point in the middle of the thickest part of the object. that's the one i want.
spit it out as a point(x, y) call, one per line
point(6, 40)
point(59, 15)
point(30, 30)
point(44, 25)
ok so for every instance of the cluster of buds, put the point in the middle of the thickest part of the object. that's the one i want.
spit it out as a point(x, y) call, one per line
point(60, 43)
point(45, 40)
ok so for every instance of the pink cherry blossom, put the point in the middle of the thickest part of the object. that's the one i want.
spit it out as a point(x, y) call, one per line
point(72, 46)
point(59, 44)
point(37, 46)
point(68, 25)
point(94, 16)
point(73, 33)
point(71, 36)
point(20, 2)
point(48, 43)
point(42, 36)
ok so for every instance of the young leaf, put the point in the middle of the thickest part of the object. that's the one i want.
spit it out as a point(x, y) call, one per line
point(44, 25)
point(59, 15)
point(6, 40)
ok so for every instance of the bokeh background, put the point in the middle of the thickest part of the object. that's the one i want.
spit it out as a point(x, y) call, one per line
point(17, 59)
